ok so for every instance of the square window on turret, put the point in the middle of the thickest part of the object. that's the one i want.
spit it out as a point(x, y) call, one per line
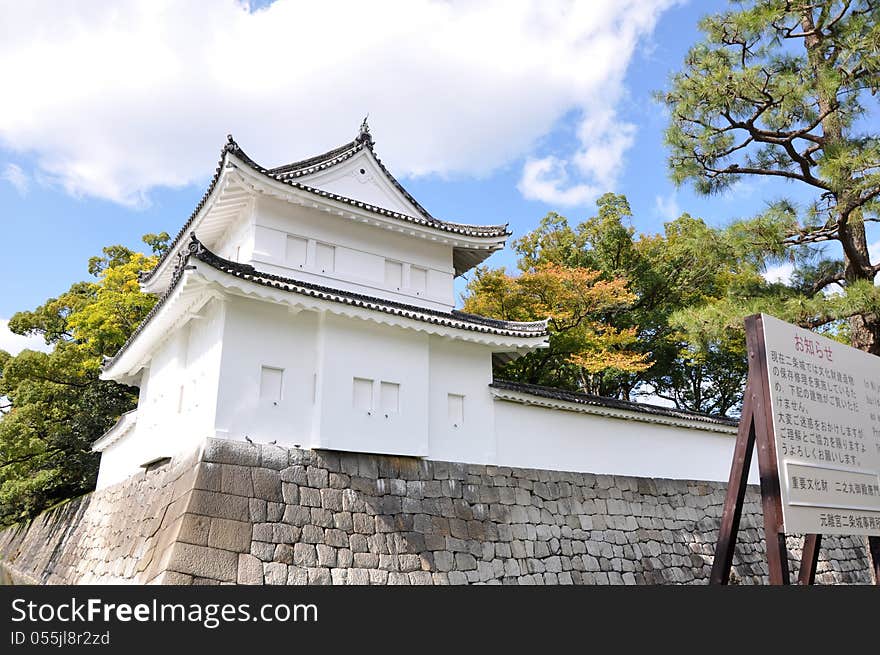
point(325, 257)
point(271, 380)
point(363, 394)
point(390, 396)
point(418, 278)
point(297, 251)
point(393, 274)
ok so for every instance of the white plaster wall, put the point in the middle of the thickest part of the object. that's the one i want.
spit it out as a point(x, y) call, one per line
point(361, 251)
point(118, 462)
point(378, 353)
point(261, 334)
point(544, 438)
point(177, 401)
point(237, 243)
point(463, 369)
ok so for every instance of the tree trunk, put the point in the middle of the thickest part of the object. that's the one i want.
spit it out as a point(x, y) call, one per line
point(864, 328)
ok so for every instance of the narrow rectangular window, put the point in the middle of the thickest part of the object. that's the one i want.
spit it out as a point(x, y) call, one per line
point(363, 394)
point(456, 409)
point(271, 380)
point(297, 250)
point(325, 257)
point(180, 400)
point(390, 395)
point(238, 253)
point(418, 278)
point(393, 274)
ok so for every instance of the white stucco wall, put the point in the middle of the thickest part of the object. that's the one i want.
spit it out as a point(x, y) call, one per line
point(257, 335)
point(464, 370)
point(360, 255)
point(178, 397)
point(555, 439)
point(376, 355)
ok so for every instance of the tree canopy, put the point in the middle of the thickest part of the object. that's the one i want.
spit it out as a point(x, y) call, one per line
point(55, 405)
point(783, 89)
point(634, 343)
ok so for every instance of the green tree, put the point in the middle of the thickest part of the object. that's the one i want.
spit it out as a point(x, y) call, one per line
point(584, 344)
point(688, 265)
point(782, 89)
point(56, 406)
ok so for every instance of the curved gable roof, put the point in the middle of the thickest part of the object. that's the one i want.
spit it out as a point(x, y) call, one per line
point(290, 173)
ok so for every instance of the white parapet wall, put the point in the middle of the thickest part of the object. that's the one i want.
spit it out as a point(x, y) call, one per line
point(547, 432)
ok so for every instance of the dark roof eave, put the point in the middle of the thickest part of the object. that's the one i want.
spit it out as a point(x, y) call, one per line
point(453, 319)
point(552, 393)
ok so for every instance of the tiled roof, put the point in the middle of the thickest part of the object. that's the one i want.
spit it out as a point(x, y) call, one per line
point(453, 319)
point(601, 401)
point(288, 174)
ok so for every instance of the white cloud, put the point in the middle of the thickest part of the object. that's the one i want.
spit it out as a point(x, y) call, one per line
point(779, 273)
point(114, 99)
point(14, 174)
point(547, 179)
point(667, 207)
point(14, 343)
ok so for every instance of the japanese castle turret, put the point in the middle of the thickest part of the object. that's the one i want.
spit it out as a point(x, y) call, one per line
point(312, 305)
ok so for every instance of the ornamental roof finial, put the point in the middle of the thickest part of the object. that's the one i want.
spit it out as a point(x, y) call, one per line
point(364, 135)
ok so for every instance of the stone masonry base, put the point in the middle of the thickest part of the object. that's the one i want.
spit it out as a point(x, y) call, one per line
point(259, 514)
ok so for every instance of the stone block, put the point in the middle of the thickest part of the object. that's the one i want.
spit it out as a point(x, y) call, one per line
point(250, 570)
point(230, 535)
point(273, 457)
point(305, 555)
point(339, 481)
point(289, 493)
point(326, 556)
point(208, 477)
point(267, 484)
point(364, 524)
point(194, 529)
point(358, 577)
point(309, 497)
point(257, 510)
point(227, 451)
point(274, 511)
point(284, 554)
point(319, 576)
point(218, 505)
point(312, 534)
point(318, 478)
point(297, 575)
point(275, 573)
point(204, 562)
point(366, 560)
point(331, 499)
point(296, 474)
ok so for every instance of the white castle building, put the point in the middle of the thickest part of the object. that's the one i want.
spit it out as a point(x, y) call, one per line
point(312, 304)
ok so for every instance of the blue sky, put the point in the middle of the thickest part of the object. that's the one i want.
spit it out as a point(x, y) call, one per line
point(91, 161)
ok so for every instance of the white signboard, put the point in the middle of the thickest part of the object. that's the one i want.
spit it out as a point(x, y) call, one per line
point(825, 399)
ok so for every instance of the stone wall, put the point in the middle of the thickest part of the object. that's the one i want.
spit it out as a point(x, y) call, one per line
point(125, 533)
point(253, 514)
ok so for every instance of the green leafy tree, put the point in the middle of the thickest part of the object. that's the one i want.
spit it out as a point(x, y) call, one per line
point(55, 405)
point(783, 89)
point(688, 265)
point(584, 344)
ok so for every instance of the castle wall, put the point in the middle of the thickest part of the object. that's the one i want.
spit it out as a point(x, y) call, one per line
point(261, 514)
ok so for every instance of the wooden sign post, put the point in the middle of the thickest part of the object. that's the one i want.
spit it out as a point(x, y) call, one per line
point(808, 386)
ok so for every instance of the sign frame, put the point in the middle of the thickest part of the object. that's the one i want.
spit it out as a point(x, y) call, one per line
point(756, 431)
